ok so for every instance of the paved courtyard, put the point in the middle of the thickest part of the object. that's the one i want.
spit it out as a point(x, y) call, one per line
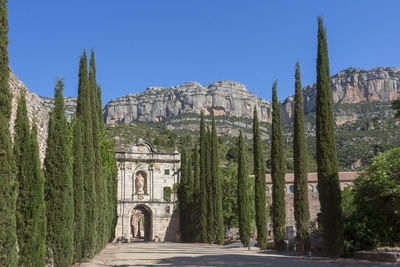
point(178, 254)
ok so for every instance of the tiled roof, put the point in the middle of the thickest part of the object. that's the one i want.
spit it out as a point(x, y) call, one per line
point(313, 177)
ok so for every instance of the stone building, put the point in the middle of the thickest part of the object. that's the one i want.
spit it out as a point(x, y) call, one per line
point(145, 196)
point(345, 178)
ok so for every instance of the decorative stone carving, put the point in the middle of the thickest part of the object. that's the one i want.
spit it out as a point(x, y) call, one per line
point(139, 184)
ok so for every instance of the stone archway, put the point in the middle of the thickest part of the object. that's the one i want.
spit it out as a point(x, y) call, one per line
point(147, 224)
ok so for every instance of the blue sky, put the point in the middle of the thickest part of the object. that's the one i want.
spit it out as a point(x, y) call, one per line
point(168, 42)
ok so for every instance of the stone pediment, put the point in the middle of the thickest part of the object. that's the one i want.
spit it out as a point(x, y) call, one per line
point(141, 147)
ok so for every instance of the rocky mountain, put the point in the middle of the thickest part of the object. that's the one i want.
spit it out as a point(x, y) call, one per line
point(176, 108)
point(227, 98)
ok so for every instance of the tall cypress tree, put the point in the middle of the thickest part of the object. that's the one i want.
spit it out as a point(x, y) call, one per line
point(58, 184)
point(101, 194)
point(182, 201)
point(83, 112)
point(5, 93)
point(30, 201)
point(328, 179)
point(300, 199)
point(259, 186)
point(190, 200)
point(22, 153)
point(79, 196)
point(210, 191)
point(37, 246)
point(202, 231)
point(196, 193)
point(242, 194)
point(278, 175)
point(8, 238)
point(217, 194)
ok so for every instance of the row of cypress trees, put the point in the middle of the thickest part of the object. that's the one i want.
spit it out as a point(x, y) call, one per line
point(328, 182)
point(80, 198)
point(48, 207)
point(199, 192)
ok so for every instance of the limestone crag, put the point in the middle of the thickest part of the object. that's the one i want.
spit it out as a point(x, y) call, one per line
point(36, 111)
point(227, 98)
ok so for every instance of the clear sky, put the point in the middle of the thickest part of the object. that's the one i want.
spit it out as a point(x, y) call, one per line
point(168, 42)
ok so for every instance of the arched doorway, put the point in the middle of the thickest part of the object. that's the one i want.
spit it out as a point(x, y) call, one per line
point(142, 223)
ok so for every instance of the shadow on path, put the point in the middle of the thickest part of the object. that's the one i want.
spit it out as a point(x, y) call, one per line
point(252, 260)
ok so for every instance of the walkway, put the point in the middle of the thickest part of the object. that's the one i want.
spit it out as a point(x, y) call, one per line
point(178, 254)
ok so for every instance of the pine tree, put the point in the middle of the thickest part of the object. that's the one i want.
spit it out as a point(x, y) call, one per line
point(300, 199)
point(78, 191)
point(8, 237)
point(217, 194)
point(38, 232)
point(100, 186)
point(202, 231)
point(59, 185)
point(328, 180)
point(83, 112)
point(242, 194)
point(210, 192)
point(259, 186)
point(278, 175)
point(30, 215)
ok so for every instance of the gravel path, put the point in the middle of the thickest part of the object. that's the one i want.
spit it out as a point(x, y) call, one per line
point(179, 254)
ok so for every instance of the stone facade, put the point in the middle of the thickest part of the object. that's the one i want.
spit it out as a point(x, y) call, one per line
point(144, 179)
point(345, 178)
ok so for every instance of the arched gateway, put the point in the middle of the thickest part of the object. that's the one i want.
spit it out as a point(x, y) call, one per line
point(145, 203)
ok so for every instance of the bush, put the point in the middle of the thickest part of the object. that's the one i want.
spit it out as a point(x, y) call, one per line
point(372, 208)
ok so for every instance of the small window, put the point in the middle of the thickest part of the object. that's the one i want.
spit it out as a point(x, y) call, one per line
point(167, 210)
point(291, 189)
point(166, 171)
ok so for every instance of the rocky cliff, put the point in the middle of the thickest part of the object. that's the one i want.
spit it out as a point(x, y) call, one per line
point(225, 98)
point(232, 99)
point(36, 111)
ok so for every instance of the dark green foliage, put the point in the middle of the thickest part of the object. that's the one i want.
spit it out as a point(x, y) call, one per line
point(84, 113)
point(242, 194)
point(182, 197)
point(8, 238)
point(100, 186)
point(6, 96)
point(202, 226)
point(167, 192)
point(110, 174)
point(372, 208)
point(196, 192)
point(79, 197)
point(58, 185)
point(30, 213)
point(277, 175)
point(328, 181)
point(210, 191)
point(259, 186)
point(396, 107)
point(217, 193)
point(300, 199)
point(37, 247)
point(22, 153)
